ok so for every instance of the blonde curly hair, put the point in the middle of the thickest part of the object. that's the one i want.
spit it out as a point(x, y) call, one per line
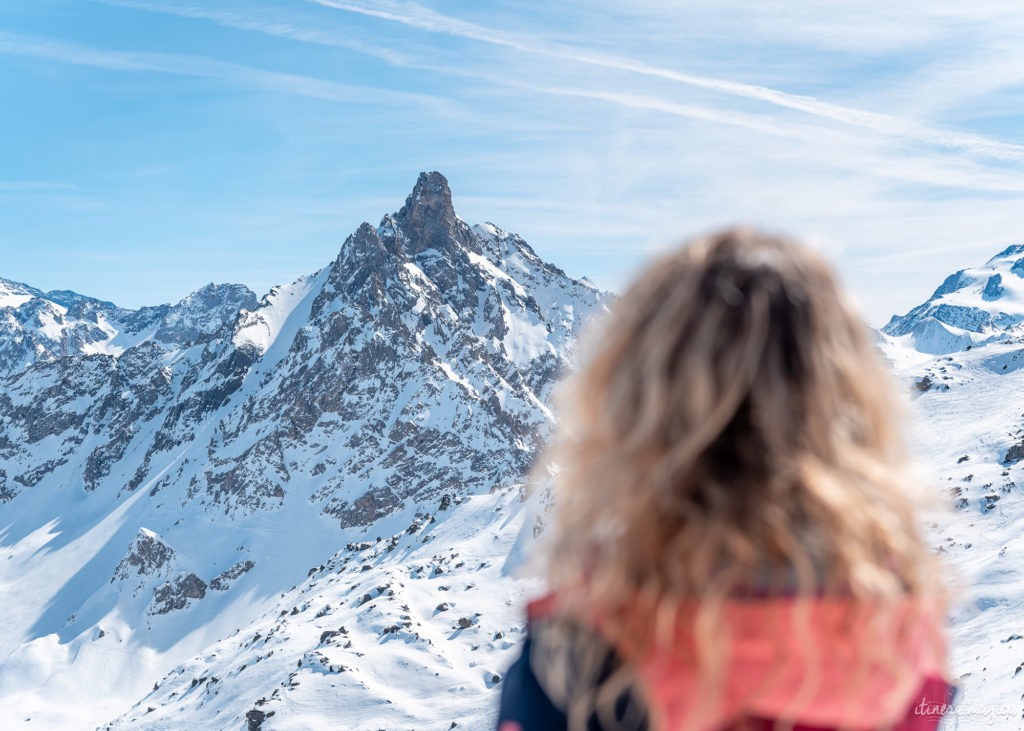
point(730, 429)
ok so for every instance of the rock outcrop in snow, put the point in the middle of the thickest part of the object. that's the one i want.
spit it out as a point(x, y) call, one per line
point(147, 557)
point(176, 594)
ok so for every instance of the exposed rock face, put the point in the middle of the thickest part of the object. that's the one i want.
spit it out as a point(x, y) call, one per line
point(224, 580)
point(205, 313)
point(174, 595)
point(254, 719)
point(429, 222)
point(1015, 453)
point(37, 326)
point(147, 555)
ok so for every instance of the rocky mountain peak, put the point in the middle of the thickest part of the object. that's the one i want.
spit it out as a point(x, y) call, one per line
point(13, 294)
point(148, 558)
point(399, 391)
point(428, 218)
point(365, 242)
point(425, 232)
point(431, 198)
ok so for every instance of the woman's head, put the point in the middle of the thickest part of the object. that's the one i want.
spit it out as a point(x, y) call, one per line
point(731, 429)
point(730, 434)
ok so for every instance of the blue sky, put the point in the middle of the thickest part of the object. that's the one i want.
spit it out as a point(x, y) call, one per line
point(148, 147)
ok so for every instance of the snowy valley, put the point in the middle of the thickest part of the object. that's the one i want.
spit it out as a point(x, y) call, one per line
point(304, 510)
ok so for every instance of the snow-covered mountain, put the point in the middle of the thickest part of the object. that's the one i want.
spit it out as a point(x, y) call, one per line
point(277, 513)
point(973, 306)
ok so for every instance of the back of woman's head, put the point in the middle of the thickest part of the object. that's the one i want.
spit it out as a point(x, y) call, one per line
point(732, 510)
point(730, 429)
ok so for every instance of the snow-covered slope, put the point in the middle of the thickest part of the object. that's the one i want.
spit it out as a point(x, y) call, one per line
point(968, 414)
point(960, 355)
point(412, 630)
point(168, 485)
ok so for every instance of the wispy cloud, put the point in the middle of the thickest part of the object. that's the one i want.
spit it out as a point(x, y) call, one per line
point(205, 67)
point(838, 147)
point(249, 21)
point(850, 151)
point(417, 16)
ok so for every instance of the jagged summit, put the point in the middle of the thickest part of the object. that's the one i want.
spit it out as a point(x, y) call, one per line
point(40, 327)
point(431, 198)
point(426, 235)
point(360, 266)
point(428, 218)
point(426, 223)
point(200, 315)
